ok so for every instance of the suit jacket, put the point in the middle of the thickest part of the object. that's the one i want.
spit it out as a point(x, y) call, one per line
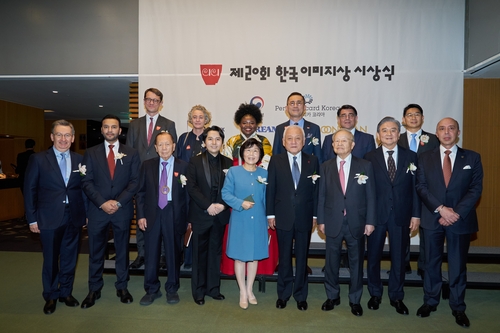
point(364, 143)
point(137, 135)
point(400, 196)
point(422, 147)
point(311, 131)
point(359, 200)
point(45, 191)
point(462, 194)
point(99, 187)
point(147, 196)
point(199, 189)
point(292, 207)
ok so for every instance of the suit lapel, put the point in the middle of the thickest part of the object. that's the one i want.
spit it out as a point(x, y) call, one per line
point(460, 162)
point(102, 160)
point(403, 140)
point(335, 176)
point(51, 157)
point(401, 164)
point(206, 169)
point(381, 160)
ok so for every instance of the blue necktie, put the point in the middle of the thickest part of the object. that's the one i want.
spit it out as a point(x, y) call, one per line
point(295, 172)
point(413, 143)
point(163, 187)
point(62, 166)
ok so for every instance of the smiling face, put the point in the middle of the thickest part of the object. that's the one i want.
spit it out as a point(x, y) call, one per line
point(447, 132)
point(343, 143)
point(388, 134)
point(213, 142)
point(251, 155)
point(248, 125)
point(62, 137)
point(152, 103)
point(110, 129)
point(164, 145)
point(295, 107)
point(413, 120)
point(294, 140)
point(198, 119)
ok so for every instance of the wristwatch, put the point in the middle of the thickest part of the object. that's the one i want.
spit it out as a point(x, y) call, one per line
point(119, 205)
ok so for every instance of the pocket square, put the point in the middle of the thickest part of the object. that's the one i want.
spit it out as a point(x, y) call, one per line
point(467, 167)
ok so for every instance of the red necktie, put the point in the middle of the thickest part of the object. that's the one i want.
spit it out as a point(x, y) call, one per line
point(111, 161)
point(150, 131)
point(447, 167)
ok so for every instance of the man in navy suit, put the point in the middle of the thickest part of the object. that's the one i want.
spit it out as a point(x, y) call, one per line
point(418, 141)
point(398, 212)
point(295, 109)
point(347, 117)
point(141, 135)
point(291, 204)
point(162, 208)
point(346, 212)
point(449, 183)
point(55, 208)
point(110, 184)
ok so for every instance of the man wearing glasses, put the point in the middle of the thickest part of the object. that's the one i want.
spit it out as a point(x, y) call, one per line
point(141, 134)
point(347, 117)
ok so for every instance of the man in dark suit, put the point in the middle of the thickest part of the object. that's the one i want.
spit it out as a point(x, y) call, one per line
point(346, 212)
point(110, 184)
point(22, 161)
point(55, 208)
point(140, 135)
point(162, 207)
point(295, 109)
point(347, 117)
point(449, 182)
point(419, 141)
point(291, 204)
point(398, 212)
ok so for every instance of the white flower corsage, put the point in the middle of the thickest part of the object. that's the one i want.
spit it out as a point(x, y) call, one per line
point(119, 156)
point(314, 177)
point(182, 180)
point(314, 141)
point(412, 167)
point(82, 169)
point(424, 139)
point(262, 180)
point(361, 177)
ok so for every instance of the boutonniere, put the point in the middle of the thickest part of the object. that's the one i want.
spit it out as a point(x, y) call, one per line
point(261, 180)
point(182, 179)
point(158, 128)
point(424, 139)
point(119, 156)
point(314, 177)
point(82, 169)
point(412, 167)
point(225, 171)
point(314, 141)
point(203, 145)
point(361, 177)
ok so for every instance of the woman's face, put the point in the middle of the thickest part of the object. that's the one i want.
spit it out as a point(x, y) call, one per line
point(198, 119)
point(248, 125)
point(251, 155)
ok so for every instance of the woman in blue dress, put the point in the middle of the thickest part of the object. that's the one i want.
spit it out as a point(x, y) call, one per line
point(245, 191)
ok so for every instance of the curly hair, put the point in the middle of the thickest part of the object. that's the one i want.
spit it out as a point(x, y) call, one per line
point(248, 109)
point(206, 113)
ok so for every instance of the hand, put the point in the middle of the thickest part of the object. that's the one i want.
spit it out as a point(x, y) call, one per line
point(414, 224)
point(189, 226)
point(110, 207)
point(143, 224)
point(212, 210)
point(34, 228)
point(369, 229)
point(272, 223)
point(448, 215)
point(247, 205)
point(321, 227)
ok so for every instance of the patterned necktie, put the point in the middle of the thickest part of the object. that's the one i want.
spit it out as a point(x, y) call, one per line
point(391, 166)
point(62, 166)
point(111, 161)
point(150, 130)
point(163, 187)
point(447, 167)
point(342, 176)
point(295, 172)
point(413, 143)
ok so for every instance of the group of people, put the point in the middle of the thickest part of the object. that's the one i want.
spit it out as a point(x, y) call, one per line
point(252, 206)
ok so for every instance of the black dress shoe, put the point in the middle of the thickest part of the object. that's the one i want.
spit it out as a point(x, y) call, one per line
point(148, 299)
point(50, 306)
point(163, 262)
point(374, 303)
point(280, 304)
point(138, 262)
point(89, 301)
point(461, 318)
point(400, 307)
point(425, 310)
point(173, 298)
point(408, 269)
point(69, 301)
point(125, 296)
point(302, 305)
point(219, 297)
point(329, 304)
point(356, 309)
point(200, 301)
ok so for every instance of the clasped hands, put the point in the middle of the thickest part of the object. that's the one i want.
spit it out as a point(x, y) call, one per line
point(448, 216)
point(215, 209)
point(110, 206)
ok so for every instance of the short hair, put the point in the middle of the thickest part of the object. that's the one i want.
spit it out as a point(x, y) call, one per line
point(248, 109)
point(387, 120)
point(295, 93)
point(212, 128)
point(250, 143)
point(154, 91)
point(29, 143)
point(347, 107)
point(62, 122)
point(351, 136)
point(206, 113)
point(112, 116)
point(411, 106)
point(292, 126)
point(163, 133)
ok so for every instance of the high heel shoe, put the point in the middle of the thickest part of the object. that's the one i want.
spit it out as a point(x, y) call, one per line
point(252, 299)
point(243, 302)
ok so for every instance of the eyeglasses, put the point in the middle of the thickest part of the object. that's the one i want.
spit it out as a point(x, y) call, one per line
point(66, 136)
point(413, 115)
point(293, 103)
point(347, 115)
point(152, 100)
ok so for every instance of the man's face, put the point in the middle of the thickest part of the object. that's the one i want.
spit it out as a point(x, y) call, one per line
point(294, 140)
point(295, 107)
point(213, 142)
point(342, 144)
point(248, 125)
point(62, 137)
point(152, 103)
point(413, 120)
point(164, 146)
point(447, 132)
point(111, 130)
point(388, 134)
point(347, 119)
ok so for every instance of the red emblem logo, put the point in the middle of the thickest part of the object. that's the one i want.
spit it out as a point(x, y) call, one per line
point(210, 74)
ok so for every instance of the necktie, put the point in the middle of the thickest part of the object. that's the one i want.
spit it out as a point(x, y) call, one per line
point(413, 143)
point(447, 167)
point(391, 166)
point(295, 172)
point(111, 161)
point(342, 176)
point(62, 166)
point(163, 187)
point(150, 130)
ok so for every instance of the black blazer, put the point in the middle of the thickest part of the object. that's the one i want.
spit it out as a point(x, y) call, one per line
point(422, 147)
